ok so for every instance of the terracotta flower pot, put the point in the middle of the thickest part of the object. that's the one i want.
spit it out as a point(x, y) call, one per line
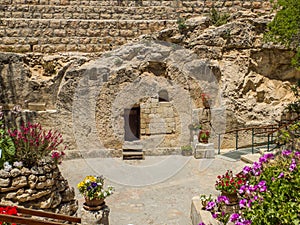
point(233, 197)
point(94, 202)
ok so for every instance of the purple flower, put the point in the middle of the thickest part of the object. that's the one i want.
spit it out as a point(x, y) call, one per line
point(281, 175)
point(234, 217)
point(223, 199)
point(256, 166)
point(94, 184)
point(214, 215)
point(243, 203)
point(262, 186)
point(210, 205)
point(253, 188)
point(201, 223)
point(249, 203)
point(242, 189)
point(286, 152)
point(89, 188)
point(269, 156)
point(293, 165)
point(256, 169)
point(246, 169)
point(263, 159)
point(297, 154)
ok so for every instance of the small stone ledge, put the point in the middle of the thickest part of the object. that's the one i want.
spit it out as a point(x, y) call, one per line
point(204, 151)
point(36, 106)
point(97, 217)
point(198, 215)
point(97, 153)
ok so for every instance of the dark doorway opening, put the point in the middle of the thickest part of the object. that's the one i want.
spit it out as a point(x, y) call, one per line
point(132, 124)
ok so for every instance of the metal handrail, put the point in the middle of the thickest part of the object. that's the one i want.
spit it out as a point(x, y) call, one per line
point(268, 134)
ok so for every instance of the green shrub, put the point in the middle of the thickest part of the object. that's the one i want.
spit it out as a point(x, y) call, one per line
point(218, 18)
point(7, 146)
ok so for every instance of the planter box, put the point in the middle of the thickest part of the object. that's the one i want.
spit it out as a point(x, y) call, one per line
point(198, 215)
point(204, 151)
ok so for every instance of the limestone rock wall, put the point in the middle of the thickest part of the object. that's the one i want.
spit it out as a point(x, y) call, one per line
point(96, 26)
point(41, 187)
point(253, 77)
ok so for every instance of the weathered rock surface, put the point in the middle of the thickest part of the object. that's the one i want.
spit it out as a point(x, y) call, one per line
point(253, 80)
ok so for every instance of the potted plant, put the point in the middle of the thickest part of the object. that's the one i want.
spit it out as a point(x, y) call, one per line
point(229, 184)
point(203, 136)
point(205, 199)
point(186, 150)
point(92, 189)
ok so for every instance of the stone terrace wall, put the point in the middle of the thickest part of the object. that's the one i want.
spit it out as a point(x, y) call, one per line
point(97, 25)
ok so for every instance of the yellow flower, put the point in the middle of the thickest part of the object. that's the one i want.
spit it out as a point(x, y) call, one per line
point(80, 185)
point(89, 179)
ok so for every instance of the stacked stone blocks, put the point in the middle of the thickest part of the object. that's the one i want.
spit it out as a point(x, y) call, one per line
point(96, 25)
point(41, 187)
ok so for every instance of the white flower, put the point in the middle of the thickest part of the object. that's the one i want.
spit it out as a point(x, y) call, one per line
point(18, 164)
point(7, 166)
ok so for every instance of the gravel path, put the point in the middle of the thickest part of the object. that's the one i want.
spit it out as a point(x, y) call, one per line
point(166, 202)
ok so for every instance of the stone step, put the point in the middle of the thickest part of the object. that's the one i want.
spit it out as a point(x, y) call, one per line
point(127, 155)
point(132, 145)
point(251, 158)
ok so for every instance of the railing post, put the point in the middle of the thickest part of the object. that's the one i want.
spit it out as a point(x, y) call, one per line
point(268, 142)
point(219, 144)
point(252, 140)
point(236, 140)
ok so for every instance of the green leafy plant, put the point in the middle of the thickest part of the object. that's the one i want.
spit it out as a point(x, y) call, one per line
point(7, 146)
point(203, 136)
point(92, 187)
point(218, 18)
point(186, 150)
point(272, 195)
point(285, 28)
point(205, 199)
point(195, 126)
point(181, 24)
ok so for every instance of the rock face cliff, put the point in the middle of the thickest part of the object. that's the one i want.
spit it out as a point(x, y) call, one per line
point(250, 78)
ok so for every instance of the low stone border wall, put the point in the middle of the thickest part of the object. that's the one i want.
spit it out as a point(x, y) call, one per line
point(40, 187)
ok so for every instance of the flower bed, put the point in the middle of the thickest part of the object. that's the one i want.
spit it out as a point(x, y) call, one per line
point(269, 194)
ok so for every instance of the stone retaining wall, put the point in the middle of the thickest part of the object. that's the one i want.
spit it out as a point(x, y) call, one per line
point(41, 187)
point(95, 25)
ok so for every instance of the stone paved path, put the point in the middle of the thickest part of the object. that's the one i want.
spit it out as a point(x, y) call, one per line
point(164, 203)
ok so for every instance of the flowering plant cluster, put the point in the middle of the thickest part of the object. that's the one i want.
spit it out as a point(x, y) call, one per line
point(203, 136)
point(216, 206)
point(229, 183)
point(271, 193)
point(93, 188)
point(32, 144)
point(8, 210)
